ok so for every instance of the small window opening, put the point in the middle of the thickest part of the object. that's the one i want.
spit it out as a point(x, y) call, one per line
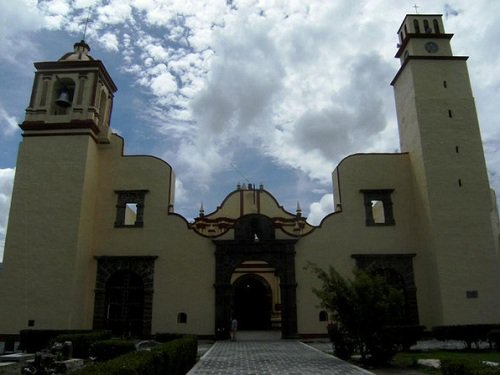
point(31, 323)
point(471, 294)
point(378, 211)
point(406, 30)
point(427, 29)
point(456, 149)
point(436, 26)
point(450, 114)
point(130, 208)
point(445, 84)
point(401, 36)
point(378, 207)
point(323, 316)
point(130, 213)
point(460, 182)
point(182, 318)
point(416, 26)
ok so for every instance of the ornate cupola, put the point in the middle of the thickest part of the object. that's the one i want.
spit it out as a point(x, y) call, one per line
point(71, 95)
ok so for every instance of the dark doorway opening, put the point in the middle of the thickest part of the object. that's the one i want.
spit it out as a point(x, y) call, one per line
point(252, 303)
point(125, 304)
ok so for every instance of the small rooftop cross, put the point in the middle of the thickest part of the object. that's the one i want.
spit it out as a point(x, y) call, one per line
point(416, 8)
point(86, 23)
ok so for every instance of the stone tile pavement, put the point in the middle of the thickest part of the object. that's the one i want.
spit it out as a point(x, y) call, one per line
point(285, 357)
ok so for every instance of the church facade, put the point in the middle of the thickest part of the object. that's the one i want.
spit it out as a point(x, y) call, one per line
point(93, 239)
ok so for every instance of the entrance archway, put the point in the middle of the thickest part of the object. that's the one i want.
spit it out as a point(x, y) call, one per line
point(252, 299)
point(254, 239)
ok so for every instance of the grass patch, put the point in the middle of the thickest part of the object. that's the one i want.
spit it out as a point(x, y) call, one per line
point(472, 358)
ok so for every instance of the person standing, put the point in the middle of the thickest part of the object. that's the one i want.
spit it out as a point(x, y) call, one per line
point(234, 328)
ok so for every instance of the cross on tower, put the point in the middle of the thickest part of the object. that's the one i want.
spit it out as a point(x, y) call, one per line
point(416, 8)
point(86, 23)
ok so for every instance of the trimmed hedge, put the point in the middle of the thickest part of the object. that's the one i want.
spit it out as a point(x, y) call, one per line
point(34, 340)
point(166, 337)
point(453, 367)
point(470, 333)
point(108, 349)
point(83, 341)
point(404, 336)
point(494, 338)
point(174, 358)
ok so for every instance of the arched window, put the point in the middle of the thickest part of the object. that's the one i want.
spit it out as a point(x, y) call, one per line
point(416, 26)
point(125, 303)
point(436, 27)
point(323, 316)
point(427, 29)
point(102, 108)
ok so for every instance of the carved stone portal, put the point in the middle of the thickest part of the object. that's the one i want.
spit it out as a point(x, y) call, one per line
point(279, 254)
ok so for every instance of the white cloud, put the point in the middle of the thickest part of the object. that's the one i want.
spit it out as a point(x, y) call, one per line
point(301, 84)
point(6, 182)
point(15, 26)
point(8, 123)
point(110, 42)
point(163, 84)
point(318, 210)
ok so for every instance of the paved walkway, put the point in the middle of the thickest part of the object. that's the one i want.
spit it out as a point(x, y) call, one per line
point(285, 357)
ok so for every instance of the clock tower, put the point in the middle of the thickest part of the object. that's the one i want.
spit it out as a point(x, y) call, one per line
point(439, 130)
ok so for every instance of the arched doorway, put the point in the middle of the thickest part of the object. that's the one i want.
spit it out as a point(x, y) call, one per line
point(124, 303)
point(252, 301)
point(278, 254)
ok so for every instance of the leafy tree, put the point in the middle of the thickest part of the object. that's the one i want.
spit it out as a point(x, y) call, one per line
point(360, 307)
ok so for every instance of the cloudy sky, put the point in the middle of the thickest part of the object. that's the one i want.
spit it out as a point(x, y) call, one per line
point(227, 91)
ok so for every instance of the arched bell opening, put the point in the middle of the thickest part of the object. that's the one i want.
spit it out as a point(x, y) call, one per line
point(63, 93)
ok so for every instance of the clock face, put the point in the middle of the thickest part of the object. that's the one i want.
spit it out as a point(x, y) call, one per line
point(431, 47)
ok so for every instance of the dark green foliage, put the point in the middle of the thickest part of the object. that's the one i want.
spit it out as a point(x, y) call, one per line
point(83, 341)
point(343, 345)
point(451, 367)
point(107, 349)
point(494, 338)
point(179, 355)
point(34, 340)
point(166, 337)
point(173, 358)
point(470, 333)
point(404, 336)
point(135, 363)
point(361, 307)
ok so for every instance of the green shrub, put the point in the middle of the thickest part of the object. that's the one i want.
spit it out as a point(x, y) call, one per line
point(173, 358)
point(166, 337)
point(107, 349)
point(469, 333)
point(453, 367)
point(34, 340)
point(136, 363)
point(404, 336)
point(83, 341)
point(494, 338)
point(179, 355)
point(343, 345)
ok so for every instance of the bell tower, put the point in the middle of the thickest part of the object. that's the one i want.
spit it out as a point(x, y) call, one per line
point(50, 237)
point(73, 94)
point(439, 130)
